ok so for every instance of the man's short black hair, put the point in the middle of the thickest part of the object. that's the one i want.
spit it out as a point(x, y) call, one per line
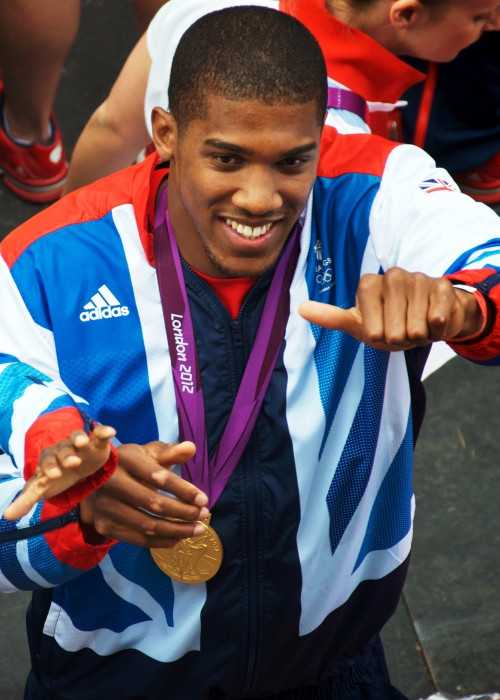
point(246, 53)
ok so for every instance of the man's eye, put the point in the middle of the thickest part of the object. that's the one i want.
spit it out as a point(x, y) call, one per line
point(226, 160)
point(293, 163)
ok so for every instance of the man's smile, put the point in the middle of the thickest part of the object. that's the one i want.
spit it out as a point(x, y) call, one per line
point(249, 230)
point(239, 179)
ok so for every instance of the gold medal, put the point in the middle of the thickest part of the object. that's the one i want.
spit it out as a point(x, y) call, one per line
point(193, 559)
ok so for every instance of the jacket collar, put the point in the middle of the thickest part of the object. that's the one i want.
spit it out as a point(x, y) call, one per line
point(146, 178)
point(353, 58)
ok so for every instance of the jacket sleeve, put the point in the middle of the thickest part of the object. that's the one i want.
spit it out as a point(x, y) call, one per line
point(484, 349)
point(421, 222)
point(47, 546)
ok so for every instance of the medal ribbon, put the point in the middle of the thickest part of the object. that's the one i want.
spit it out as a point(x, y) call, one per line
point(212, 475)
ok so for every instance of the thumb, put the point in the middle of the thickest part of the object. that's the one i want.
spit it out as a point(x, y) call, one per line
point(101, 435)
point(333, 317)
point(167, 454)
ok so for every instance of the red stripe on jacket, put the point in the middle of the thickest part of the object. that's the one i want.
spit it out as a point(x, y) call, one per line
point(68, 544)
point(487, 347)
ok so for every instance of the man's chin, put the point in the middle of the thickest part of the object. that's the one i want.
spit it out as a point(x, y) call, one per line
point(241, 270)
point(240, 265)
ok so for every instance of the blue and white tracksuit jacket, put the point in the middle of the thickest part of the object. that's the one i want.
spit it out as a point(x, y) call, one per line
point(316, 520)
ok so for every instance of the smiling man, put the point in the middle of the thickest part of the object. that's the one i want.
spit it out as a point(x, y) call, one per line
point(237, 185)
point(267, 561)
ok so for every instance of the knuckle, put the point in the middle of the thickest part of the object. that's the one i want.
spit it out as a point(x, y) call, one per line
point(155, 505)
point(437, 321)
point(375, 336)
point(159, 445)
point(417, 335)
point(395, 275)
point(443, 286)
point(193, 513)
point(99, 500)
point(149, 527)
point(102, 526)
point(368, 282)
point(395, 338)
point(420, 280)
point(167, 477)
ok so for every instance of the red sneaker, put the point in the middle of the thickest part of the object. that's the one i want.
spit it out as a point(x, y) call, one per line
point(483, 183)
point(36, 172)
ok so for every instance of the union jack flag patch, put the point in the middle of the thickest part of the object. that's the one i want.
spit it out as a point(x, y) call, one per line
point(438, 184)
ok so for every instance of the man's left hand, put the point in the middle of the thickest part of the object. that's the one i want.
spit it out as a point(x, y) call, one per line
point(400, 310)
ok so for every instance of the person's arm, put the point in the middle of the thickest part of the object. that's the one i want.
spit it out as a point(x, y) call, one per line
point(63, 535)
point(116, 132)
point(63, 465)
point(421, 222)
point(425, 237)
point(46, 546)
point(400, 310)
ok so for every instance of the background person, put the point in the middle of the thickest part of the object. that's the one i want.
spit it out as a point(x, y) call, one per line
point(363, 60)
point(462, 118)
point(35, 39)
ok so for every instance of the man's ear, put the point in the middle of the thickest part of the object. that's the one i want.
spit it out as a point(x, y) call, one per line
point(164, 133)
point(406, 14)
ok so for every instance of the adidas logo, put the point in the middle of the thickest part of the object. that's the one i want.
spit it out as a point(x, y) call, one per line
point(102, 305)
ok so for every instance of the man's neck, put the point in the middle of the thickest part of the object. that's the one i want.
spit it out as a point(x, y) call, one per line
point(373, 21)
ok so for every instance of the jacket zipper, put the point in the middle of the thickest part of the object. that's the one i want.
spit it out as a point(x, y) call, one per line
point(251, 507)
point(253, 577)
point(250, 501)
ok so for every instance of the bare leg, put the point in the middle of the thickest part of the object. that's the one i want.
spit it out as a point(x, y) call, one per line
point(35, 38)
point(145, 10)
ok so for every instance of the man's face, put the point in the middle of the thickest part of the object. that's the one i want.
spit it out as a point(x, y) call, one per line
point(239, 179)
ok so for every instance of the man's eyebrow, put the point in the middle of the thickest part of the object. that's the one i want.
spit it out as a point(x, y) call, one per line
point(226, 146)
point(234, 148)
point(300, 150)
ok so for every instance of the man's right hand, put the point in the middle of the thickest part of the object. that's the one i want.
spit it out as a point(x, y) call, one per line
point(116, 510)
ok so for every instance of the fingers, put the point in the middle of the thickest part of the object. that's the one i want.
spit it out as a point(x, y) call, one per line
point(369, 299)
point(125, 488)
point(117, 520)
point(398, 310)
point(88, 452)
point(31, 494)
point(93, 449)
point(99, 437)
point(184, 490)
point(167, 454)
point(418, 312)
point(442, 310)
point(139, 463)
point(62, 465)
point(131, 508)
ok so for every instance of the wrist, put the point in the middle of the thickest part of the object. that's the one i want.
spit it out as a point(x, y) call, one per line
point(475, 312)
point(86, 521)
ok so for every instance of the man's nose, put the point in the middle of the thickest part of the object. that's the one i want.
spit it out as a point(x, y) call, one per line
point(258, 193)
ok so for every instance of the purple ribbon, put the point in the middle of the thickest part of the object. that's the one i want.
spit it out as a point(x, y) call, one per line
point(211, 476)
point(338, 98)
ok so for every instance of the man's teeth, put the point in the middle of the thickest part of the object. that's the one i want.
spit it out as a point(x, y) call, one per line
point(248, 231)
